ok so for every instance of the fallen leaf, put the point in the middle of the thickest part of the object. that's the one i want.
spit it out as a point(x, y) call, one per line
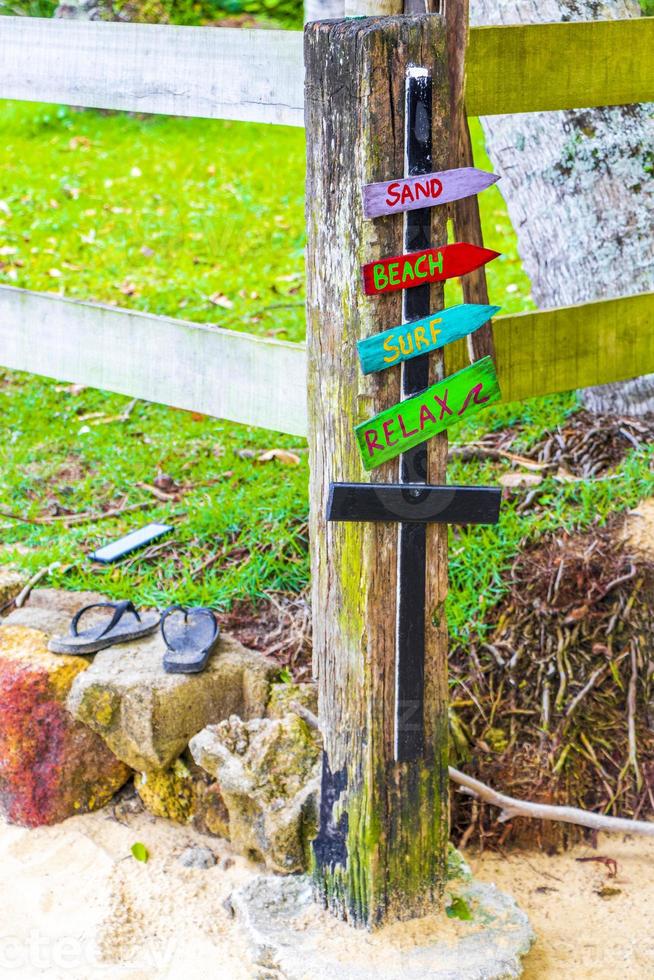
point(53, 204)
point(78, 142)
point(4, 207)
point(575, 616)
point(165, 482)
point(529, 464)
point(219, 300)
point(140, 852)
point(283, 455)
point(564, 476)
point(90, 238)
point(147, 251)
point(55, 273)
point(159, 494)
point(91, 415)
point(127, 288)
point(512, 480)
point(8, 250)
point(136, 172)
point(607, 891)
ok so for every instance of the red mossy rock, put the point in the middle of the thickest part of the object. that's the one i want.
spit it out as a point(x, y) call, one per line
point(51, 767)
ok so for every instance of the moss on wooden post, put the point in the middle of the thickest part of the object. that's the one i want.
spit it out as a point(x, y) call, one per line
point(381, 851)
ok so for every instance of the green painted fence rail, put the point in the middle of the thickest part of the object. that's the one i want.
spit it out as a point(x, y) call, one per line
point(533, 67)
point(570, 347)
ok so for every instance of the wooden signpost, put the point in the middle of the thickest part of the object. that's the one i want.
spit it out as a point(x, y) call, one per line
point(427, 265)
point(379, 551)
point(412, 421)
point(411, 193)
point(383, 350)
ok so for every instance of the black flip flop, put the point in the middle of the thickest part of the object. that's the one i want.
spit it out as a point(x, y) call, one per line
point(125, 624)
point(190, 639)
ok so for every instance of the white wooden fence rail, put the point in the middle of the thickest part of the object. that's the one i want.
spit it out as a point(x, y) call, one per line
point(218, 372)
point(258, 75)
point(253, 75)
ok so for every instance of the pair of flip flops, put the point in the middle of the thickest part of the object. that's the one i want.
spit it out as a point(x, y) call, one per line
point(190, 635)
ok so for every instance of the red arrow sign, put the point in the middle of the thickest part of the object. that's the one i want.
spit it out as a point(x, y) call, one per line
point(417, 268)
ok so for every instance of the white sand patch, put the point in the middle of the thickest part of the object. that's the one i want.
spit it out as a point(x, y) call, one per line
point(75, 904)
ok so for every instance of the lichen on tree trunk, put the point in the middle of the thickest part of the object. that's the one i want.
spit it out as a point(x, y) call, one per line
point(381, 851)
point(578, 186)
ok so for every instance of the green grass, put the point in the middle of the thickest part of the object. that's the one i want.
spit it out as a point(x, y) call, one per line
point(204, 220)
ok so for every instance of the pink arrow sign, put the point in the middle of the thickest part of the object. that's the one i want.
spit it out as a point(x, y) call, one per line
point(411, 193)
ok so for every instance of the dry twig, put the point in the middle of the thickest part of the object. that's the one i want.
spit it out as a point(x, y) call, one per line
point(511, 807)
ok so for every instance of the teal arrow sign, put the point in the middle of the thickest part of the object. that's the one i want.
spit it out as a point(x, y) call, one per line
point(383, 350)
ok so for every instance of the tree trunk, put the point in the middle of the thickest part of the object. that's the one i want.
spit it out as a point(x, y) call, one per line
point(578, 186)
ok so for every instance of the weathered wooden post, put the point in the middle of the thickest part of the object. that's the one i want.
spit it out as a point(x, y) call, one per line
point(381, 851)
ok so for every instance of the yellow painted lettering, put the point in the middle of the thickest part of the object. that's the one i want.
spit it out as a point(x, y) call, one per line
point(432, 328)
point(406, 351)
point(390, 346)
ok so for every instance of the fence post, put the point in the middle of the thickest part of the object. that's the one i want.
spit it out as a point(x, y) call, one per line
point(381, 849)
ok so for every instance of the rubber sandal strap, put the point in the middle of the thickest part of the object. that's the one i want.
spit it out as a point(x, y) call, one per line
point(120, 608)
point(164, 616)
point(183, 609)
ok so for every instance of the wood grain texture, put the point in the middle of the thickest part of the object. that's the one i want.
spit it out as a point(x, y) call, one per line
point(204, 369)
point(418, 418)
point(413, 193)
point(380, 853)
point(590, 343)
point(532, 67)
point(417, 503)
point(257, 75)
point(409, 340)
point(570, 347)
point(428, 265)
point(223, 73)
point(465, 214)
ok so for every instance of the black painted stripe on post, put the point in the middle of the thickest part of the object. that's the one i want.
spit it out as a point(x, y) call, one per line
point(412, 558)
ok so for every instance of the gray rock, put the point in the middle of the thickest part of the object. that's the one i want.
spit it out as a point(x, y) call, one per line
point(197, 857)
point(51, 610)
point(268, 771)
point(291, 938)
point(147, 716)
point(282, 697)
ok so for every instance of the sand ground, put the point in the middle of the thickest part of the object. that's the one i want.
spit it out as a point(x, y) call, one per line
point(75, 904)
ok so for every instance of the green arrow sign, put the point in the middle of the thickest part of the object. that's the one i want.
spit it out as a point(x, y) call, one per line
point(424, 415)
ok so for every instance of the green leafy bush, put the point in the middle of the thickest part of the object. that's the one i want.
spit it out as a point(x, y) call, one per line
point(27, 8)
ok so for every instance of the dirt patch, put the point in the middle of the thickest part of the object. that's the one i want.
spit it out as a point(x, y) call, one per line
point(587, 924)
point(556, 706)
point(584, 446)
point(279, 627)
